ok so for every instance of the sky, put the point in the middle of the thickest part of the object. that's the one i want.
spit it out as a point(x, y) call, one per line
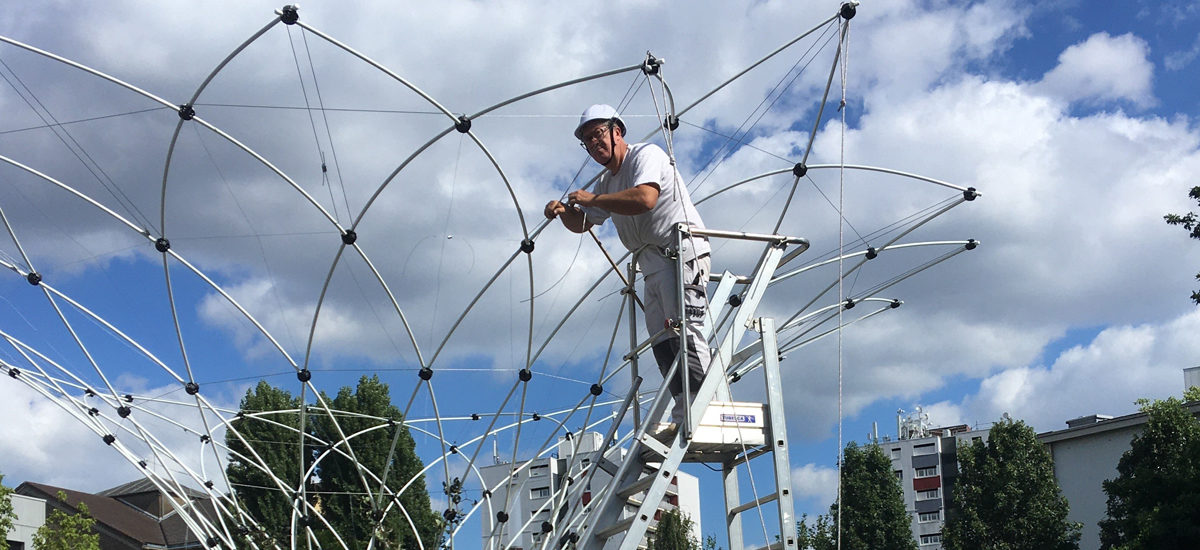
point(1076, 123)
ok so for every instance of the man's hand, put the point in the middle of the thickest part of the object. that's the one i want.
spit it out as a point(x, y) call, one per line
point(581, 197)
point(553, 209)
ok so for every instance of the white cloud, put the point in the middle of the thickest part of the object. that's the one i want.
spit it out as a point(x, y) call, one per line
point(1103, 68)
point(816, 483)
point(1122, 364)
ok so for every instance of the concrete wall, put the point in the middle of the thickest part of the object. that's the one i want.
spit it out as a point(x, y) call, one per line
point(1081, 465)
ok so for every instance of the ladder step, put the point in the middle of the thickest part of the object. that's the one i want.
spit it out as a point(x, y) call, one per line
point(618, 527)
point(772, 546)
point(754, 503)
point(636, 487)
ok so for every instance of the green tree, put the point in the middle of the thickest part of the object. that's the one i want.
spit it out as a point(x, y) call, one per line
point(1190, 224)
point(873, 503)
point(345, 502)
point(821, 535)
point(1007, 496)
point(274, 437)
point(1154, 502)
point(7, 515)
point(674, 533)
point(63, 531)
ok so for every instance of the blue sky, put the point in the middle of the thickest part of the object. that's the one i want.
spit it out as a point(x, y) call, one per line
point(1076, 122)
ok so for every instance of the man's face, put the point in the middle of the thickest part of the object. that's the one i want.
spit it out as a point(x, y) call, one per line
point(597, 141)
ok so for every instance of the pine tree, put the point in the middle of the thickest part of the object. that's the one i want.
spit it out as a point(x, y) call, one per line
point(345, 502)
point(1154, 502)
point(1191, 224)
point(1007, 496)
point(674, 533)
point(874, 518)
point(7, 515)
point(63, 531)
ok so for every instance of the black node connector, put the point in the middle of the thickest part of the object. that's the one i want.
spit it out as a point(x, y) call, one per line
point(109, 439)
point(128, 398)
point(14, 372)
point(212, 542)
point(94, 411)
point(391, 422)
point(872, 253)
point(536, 417)
point(970, 194)
point(349, 237)
point(971, 244)
point(191, 388)
point(124, 411)
point(525, 375)
point(209, 484)
point(34, 278)
point(291, 14)
point(568, 436)
point(186, 112)
point(487, 493)
point(205, 439)
point(672, 123)
point(597, 389)
point(304, 375)
point(142, 463)
point(241, 414)
point(426, 373)
point(895, 304)
point(848, 10)
point(735, 378)
point(546, 527)
point(454, 449)
point(463, 125)
point(501, 516)
point(800, 169)
point(651, 65)
point(849, 303)
point(474, 416)
point(305, 521)
point(573, 537)
point(89, 392)
point(162, 244)
point(527, 246)
point(735, 300)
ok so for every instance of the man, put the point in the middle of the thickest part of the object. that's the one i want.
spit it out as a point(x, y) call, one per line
point(644, 195)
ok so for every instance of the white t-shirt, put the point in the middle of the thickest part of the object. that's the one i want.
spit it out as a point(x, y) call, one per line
point(648, 163)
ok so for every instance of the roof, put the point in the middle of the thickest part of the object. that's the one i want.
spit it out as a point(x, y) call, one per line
point(117, 516)
point(1105, 425)
point(144, 485)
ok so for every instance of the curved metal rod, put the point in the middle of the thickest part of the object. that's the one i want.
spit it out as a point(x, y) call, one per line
point(179, 125)
point(146, 233)
point(860, 263)
point(797, 271)
point(755, 64)
point(837, 166)
point(552, 87)
point(395, 304)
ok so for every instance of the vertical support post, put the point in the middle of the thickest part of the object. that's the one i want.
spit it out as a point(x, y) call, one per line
point(634, 378)
point(779, 449)
point(733, 522)
point(682, 371)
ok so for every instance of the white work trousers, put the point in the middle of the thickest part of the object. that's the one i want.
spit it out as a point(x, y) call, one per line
point(662, 309)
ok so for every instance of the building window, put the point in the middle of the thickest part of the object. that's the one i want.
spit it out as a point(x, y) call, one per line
point(926, 517)
point(899, 474)
point(539, 492)
point(926, 449)
point(935, 538)
point(895, 453)
point(541, 470)
point(926, 495)
point(926, 472)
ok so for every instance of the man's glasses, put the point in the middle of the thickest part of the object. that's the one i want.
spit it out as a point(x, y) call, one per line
point(594, 135)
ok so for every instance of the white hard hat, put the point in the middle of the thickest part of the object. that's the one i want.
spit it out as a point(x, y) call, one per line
point(599, 112)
